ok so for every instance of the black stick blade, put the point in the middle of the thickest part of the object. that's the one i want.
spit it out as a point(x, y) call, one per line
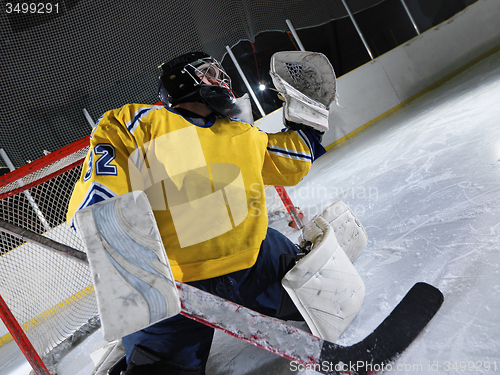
point(389, 339)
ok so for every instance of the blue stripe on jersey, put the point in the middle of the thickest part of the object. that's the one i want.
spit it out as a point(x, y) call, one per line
point(312, 141)
point(96, 193)
point(306, 140)
point(292, 154)
point(98, 120)
point(95, 126)
point(140, 113)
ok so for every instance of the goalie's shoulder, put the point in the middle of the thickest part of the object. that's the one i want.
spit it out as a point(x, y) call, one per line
point(129, 116)
point(132, 115)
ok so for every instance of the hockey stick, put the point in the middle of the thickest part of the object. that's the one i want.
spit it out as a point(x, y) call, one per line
point(373, 354)
point(287, 202)
point(29, 236)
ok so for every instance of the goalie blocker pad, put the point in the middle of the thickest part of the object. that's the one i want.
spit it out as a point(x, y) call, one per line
point(324, 285)
point(132, 277)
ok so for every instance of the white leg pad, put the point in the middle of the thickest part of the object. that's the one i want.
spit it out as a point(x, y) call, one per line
point(130, 270)
point(349, 231)
point(325, 286)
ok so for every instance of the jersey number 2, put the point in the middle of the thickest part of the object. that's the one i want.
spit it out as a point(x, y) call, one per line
point(102, 165)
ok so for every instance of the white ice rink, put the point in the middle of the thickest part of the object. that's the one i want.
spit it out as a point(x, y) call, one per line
point(425, 182)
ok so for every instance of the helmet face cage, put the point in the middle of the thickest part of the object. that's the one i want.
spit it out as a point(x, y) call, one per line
point(183, 77)
point(207, 71)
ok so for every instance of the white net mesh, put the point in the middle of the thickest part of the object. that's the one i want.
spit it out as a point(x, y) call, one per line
point(51, 296)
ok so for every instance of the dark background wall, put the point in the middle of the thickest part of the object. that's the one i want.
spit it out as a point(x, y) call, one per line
point(102, 55)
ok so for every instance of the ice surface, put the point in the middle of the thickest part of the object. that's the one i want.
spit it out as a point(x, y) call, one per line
point(12, 361)
point(425, 182)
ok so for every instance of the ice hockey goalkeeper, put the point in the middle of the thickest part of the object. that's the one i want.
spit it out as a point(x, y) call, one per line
point(203, 166)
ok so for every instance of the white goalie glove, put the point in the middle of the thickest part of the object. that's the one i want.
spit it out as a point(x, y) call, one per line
point(306, 82)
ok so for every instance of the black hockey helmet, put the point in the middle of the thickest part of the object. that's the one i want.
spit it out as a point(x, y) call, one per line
point(182, 78)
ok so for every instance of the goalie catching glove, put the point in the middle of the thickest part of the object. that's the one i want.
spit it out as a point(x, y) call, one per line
point(306, 82)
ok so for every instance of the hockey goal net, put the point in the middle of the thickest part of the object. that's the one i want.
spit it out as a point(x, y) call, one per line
point(50, 296)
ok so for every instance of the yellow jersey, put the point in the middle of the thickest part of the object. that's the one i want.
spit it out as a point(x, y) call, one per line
point(205, 183)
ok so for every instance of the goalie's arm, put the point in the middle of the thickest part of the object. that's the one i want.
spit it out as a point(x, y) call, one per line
point(289, 156)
